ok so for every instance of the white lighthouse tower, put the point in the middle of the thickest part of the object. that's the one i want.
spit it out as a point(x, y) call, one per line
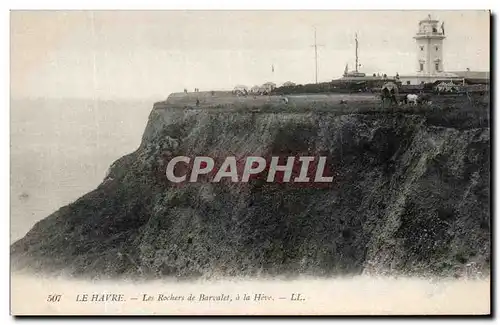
point(429, 65)
point(429, 39)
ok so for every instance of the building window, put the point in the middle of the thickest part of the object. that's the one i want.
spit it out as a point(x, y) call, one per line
point(437, 48)
point(408, 82)
point(421, 48)
point(437, 66)
point(421, 66)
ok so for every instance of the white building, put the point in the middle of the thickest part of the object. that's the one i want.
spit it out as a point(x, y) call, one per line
point(269, 86)
point(429, 63)
point(288, 84)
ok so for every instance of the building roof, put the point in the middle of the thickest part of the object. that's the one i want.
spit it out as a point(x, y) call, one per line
point(442, 75)
point(472, 74)
point(366, 78)
point(428, 19)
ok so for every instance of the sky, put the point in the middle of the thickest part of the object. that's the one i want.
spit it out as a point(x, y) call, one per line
point(150, 54)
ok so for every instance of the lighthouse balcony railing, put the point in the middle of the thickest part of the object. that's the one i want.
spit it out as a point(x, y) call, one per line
point(430, 34)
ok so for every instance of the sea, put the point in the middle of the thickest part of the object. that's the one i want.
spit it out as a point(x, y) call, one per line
point(61, 149)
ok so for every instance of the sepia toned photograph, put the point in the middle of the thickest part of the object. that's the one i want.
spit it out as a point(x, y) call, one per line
point(250, 162)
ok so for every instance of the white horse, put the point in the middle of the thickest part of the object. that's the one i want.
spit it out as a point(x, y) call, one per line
point(412, 99)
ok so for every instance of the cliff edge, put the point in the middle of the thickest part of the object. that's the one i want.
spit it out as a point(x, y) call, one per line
point(411, 195)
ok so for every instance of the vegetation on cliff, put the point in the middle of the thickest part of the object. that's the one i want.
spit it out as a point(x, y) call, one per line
point(411, 195)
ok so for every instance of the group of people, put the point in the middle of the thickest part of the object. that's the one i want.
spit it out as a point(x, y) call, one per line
point(196, 90)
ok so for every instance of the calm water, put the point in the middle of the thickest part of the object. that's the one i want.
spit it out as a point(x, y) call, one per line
point(61, 149)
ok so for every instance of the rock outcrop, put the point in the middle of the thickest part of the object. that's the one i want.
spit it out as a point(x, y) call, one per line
point(410, 196)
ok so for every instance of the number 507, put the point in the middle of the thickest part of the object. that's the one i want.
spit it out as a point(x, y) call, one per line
point(54, 298)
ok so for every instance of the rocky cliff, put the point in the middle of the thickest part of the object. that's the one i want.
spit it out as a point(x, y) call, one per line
point(410, 196)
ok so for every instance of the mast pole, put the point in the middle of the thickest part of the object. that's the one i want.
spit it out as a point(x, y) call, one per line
point(315, 55)
point(316, 45)
point(356, 52)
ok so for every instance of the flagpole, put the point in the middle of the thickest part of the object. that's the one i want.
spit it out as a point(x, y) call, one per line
point(272, 72)
point(315, 45)
point(315, 55)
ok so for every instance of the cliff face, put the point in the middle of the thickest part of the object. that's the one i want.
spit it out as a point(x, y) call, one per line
point(408, 196)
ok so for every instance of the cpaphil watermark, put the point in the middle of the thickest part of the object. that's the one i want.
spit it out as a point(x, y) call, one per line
point(274, 169)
